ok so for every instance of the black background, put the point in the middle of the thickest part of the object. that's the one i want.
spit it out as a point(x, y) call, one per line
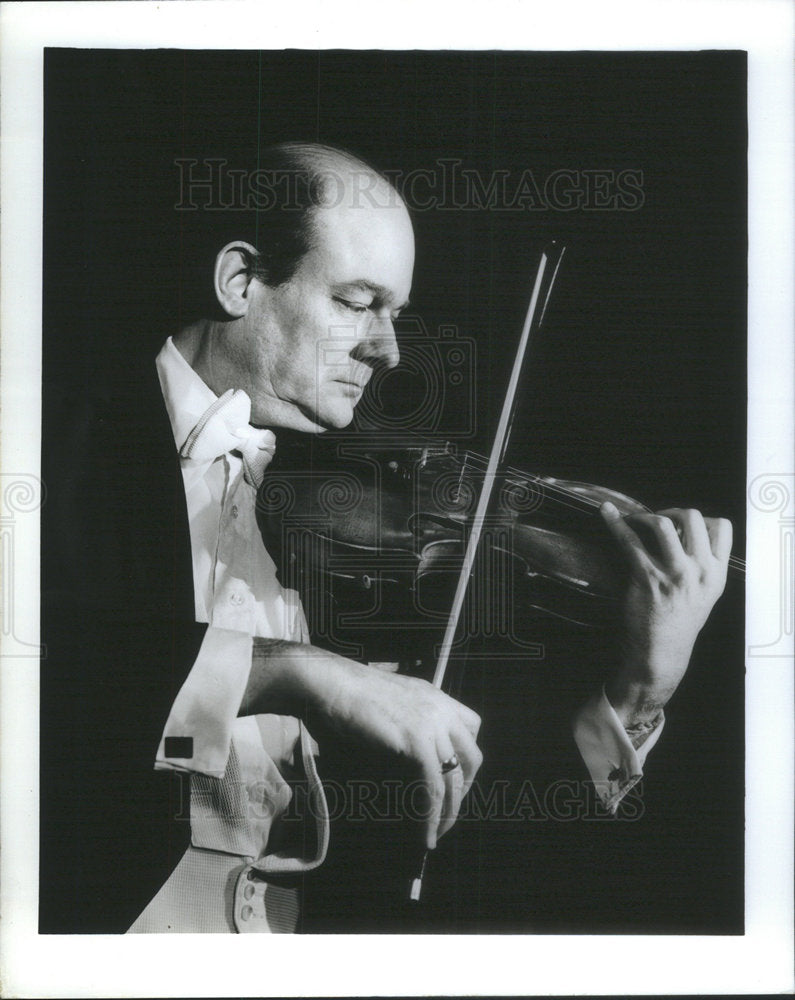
point(638, 381)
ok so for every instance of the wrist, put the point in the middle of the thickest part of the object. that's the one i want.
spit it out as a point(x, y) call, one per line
point(636, 703)
point(645, 680)
point(321, 685)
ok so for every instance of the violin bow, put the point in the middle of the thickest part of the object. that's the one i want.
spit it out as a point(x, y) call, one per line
point(547, 271)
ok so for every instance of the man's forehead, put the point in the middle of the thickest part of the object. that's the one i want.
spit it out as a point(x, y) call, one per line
point(357, 216)
point(373, 246)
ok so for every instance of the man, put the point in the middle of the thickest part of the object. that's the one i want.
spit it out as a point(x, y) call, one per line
point(307, 316)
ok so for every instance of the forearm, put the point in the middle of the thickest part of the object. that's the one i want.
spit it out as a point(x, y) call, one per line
point(276, 683)
point(403, 715)
point(294, 678)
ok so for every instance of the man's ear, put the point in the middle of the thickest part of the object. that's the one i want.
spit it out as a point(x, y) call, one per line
point(233, 276)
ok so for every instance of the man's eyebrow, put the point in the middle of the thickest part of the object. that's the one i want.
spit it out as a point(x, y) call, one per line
point(377, 291)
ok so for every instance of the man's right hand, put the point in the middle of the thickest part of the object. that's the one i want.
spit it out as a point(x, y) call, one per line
point(404, 715)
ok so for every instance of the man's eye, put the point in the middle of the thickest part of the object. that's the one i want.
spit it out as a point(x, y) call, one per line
point(355, 307)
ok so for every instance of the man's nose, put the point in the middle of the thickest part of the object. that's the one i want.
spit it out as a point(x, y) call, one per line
point(379, 347)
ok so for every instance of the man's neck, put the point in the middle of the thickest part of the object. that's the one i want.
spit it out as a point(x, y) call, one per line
point(192, 342)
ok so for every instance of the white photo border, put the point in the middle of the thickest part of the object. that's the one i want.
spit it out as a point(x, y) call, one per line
point(761, 960)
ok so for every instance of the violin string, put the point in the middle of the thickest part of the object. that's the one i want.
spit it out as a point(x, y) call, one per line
point(549, 487)
point(735, 562)
point(555, 492)
point(570, 495)
point(582, 501)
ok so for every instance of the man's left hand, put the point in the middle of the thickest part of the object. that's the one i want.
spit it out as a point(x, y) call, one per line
point(678, 562)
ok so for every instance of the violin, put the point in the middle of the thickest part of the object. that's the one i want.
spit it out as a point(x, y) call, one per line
point(373, 539)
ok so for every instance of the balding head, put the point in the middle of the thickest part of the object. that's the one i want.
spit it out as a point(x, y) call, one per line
point(306, 180)
point(309, 309)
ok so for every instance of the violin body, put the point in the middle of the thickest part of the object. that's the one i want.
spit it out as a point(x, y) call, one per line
point(372, 537)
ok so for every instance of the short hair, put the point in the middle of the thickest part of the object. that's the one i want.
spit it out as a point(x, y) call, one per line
point(295, 179)
point(302, 174)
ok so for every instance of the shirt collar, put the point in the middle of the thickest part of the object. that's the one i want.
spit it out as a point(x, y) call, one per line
point(185, 394)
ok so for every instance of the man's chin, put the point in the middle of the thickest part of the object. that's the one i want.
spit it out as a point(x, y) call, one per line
point(336, 414)
point(337, 421)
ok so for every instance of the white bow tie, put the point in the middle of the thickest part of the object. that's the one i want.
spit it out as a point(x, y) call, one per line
point(224, 427)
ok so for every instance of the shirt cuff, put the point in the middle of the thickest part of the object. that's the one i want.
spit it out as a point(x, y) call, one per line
point(615, 765)
point(198, 733)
